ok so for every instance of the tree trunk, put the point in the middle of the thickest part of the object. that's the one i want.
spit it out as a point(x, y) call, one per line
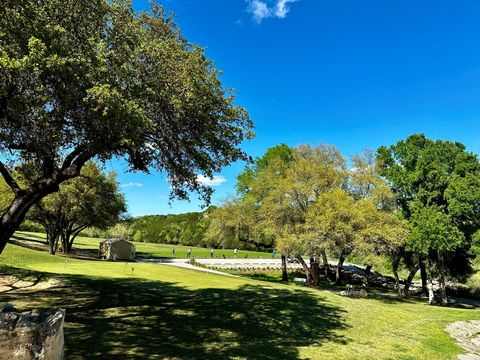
point(409, 279)
point(441, 279)
point(14, 215)
point(73, 236)
point(65, 241)
point(325, 264)
point(395, 265)
point(423, 274)
point(284, 270)
point(366, 275)
point(52, 238)
point(314, 272)
point(338, 275)
point(70, 245)
point(52, 244)
point(431, 296)
point(64, 237)
point(306, 269)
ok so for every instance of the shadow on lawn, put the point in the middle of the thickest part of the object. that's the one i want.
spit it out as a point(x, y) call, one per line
point(135, 319)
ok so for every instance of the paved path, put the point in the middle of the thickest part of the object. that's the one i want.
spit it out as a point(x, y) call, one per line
point(220, 263)
point(183, 263)
point(191, 267)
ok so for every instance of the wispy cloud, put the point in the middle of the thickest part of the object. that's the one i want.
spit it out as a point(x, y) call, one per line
point(261, 10)
point(214, 181)
point(131, 184)
point(281, 8)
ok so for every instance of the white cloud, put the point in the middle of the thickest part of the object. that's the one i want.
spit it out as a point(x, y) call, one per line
point(214, 181)
point(261, 10)
point(281, 8)
point(132, 184)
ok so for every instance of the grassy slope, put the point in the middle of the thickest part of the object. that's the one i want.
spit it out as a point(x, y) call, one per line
point(150, 250)
point(161, 312)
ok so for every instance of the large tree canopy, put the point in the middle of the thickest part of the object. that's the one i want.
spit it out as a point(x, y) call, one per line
point(239, 221)
point(437, 186)
point(90, 200)
point(83, 79)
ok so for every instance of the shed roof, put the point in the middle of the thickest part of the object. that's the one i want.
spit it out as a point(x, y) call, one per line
point(114, 240)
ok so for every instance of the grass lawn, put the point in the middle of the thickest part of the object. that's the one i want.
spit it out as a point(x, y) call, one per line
point(150, 250)
point(150, 311)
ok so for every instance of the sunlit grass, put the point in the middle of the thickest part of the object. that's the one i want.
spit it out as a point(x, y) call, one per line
point(137, 311)
point(151, 250)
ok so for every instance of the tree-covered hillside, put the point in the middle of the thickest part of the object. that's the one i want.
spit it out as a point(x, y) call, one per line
point(184, 229)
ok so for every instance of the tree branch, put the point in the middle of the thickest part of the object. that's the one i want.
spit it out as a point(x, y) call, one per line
point(74, 161)
point(75, 234)
point(9, 179)
point(48, 166)
point(70, 157)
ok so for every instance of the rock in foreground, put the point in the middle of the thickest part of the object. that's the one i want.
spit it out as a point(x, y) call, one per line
point(467, 334)
point(31, 335)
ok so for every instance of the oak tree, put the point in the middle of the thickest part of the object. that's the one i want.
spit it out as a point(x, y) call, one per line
point(83, 79)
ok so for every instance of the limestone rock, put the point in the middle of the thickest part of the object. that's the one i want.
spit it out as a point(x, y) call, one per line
point(31, 335)
point(467, 334)
point(350, 292)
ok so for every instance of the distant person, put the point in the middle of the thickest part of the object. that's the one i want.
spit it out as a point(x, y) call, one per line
point(235, 252)
point(274, 253)
point(189, 253)
point(173, 252)
point(211, 252)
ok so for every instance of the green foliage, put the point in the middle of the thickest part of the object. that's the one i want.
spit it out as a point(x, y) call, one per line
point(184, 229)
point(439, 179)
point(293, 189)
point(236, 223)
point(83, 80)
point(381, 232)
point(31, 226)
point(120, 230)
point(432, 230)
point(6, 195)
point(103, 79)
point(305, 202)
point(246, 180)
point(431, 172)
point(90, 200)
point(333, 224)
point(239, 220)
point(343, 225)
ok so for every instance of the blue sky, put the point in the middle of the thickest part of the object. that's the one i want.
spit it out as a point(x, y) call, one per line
point(355, 74)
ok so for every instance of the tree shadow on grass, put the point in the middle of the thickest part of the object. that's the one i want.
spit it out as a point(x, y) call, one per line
point(140, 319)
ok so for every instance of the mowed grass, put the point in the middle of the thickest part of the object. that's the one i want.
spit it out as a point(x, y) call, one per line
point(150, 250)
point(150, 311)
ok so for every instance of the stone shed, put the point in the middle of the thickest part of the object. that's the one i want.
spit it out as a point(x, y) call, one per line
point(116, 249)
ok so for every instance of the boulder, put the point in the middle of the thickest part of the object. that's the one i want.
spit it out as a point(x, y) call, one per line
point(350, 292)
point(467, 335)
point(31, 335)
